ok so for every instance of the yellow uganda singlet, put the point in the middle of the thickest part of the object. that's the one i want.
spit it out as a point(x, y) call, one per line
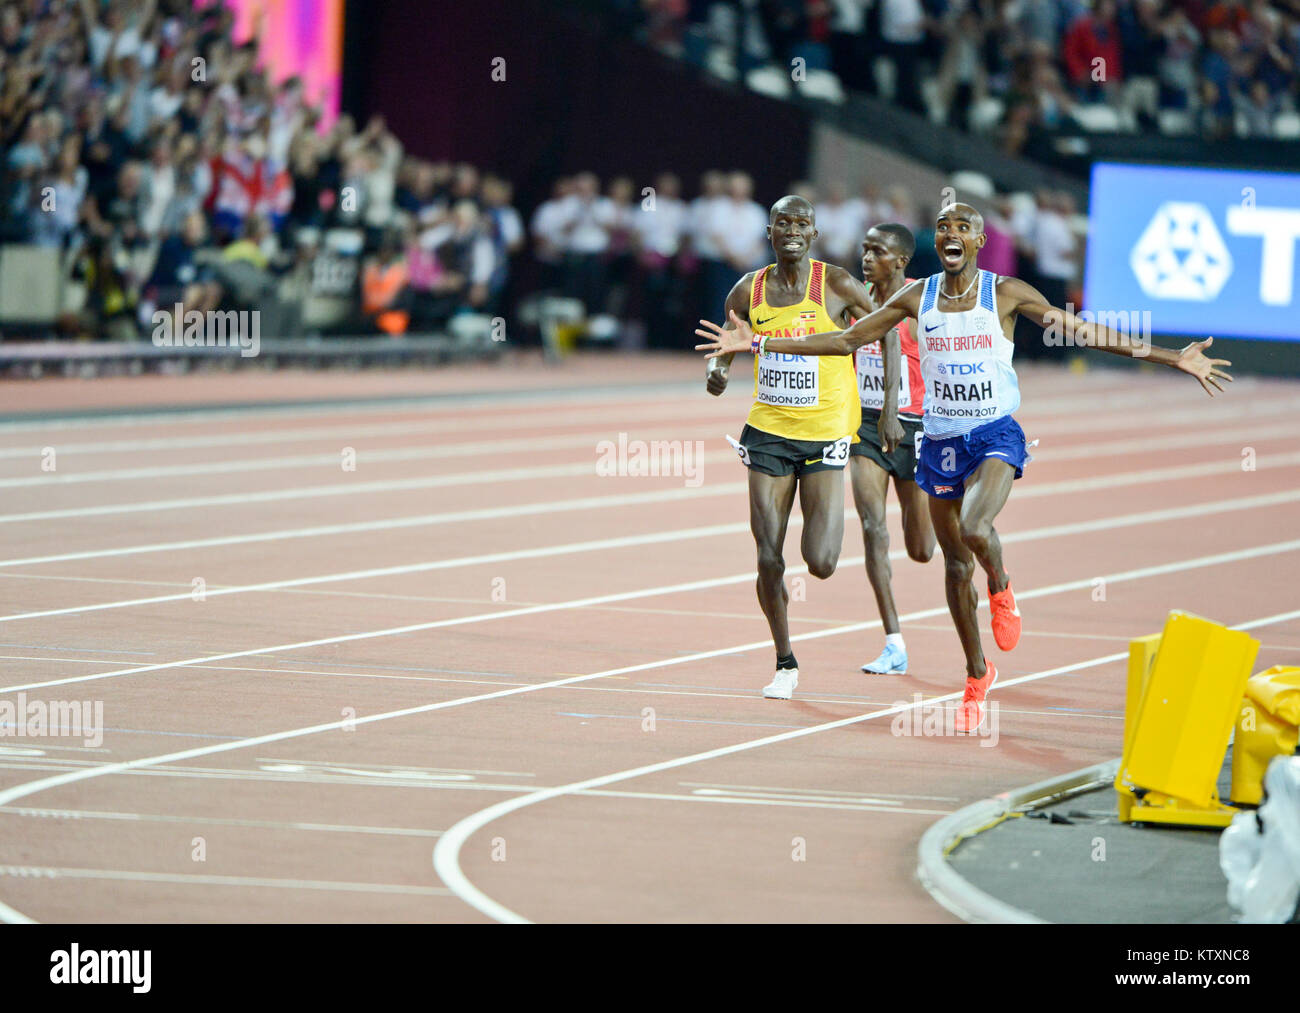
point(801, 397)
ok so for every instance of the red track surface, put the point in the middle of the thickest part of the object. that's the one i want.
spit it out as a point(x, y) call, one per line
point(339, 823)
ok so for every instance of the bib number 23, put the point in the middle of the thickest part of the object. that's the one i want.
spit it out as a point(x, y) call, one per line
point(837, 454)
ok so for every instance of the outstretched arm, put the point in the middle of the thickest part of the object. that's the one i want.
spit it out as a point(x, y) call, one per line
point(1190, 359)
point(739, 338)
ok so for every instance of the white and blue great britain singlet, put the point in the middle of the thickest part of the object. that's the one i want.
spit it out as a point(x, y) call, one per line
point(965, 362)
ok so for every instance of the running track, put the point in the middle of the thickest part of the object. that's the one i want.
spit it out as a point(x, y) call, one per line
point(472, 642)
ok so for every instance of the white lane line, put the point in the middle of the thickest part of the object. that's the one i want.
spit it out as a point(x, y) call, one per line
point(593, 502)
point(507, 421)
point(275, 777)
point(446, 854)
point(410, 484)
point(397, 523)
point(419, 520)
point(489, 448)
point(364, 458)
point(524, 402)
point(697, 585)
point(1107, 523)
point(454, 406)
point(587, 469)
point(251, 464)
point(1147, 444)
point(828, 792)
point(316, 491)
point(498, 475)
point(388, 768)
point(599, 545)
point(786, 796)
point(877, 806)
point(1055, 421)
point(797, 799)
point(638, 689)
point(195, 879)
point(106, 814)
point(710, 531)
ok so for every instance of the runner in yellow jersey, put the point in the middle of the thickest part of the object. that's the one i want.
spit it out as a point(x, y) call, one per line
point(806, 413)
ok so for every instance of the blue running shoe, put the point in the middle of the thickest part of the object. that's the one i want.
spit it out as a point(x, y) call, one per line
point(892, 661)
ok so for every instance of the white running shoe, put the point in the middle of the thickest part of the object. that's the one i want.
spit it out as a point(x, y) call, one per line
point(782, 685)
point(892, 661)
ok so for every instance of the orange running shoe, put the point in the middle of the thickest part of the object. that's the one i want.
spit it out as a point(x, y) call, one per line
point(1006, 618)
point(970, 714)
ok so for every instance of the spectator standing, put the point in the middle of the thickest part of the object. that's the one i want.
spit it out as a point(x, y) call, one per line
point(548, 233)
point(585, 225)
point(709, 221)
point(506, 230)
point(744, 238)
point(1055, 259)
point(620, 255)
point(850, 44)
point(1091, 53)
point(1177, 65)
point(903, 32)
point(842, 224)
point(660, 229)
point(999, 252)
point(57, 225)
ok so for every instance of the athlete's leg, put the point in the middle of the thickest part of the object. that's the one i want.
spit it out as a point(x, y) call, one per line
point(958, 568)
point(770, 500)
point(918, 531)
point(870, 486)
point(987, 490)
point(821, 498)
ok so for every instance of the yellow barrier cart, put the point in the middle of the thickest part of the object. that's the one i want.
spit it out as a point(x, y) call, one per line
point(1184, 694)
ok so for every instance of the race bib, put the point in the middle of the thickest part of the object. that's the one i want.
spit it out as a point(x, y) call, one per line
point(871, 379)
point(740, 449)
point(960, 390)
point(837, 454)
point(788, 381)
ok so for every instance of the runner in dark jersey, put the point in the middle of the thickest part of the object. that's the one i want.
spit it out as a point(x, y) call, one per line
point(876, 458)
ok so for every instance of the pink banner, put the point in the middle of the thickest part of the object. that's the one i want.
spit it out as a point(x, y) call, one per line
point(296, 37)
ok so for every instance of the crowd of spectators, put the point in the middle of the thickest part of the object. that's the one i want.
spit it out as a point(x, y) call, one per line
point(1223, 67)
point(165, 167)
point(164, 164)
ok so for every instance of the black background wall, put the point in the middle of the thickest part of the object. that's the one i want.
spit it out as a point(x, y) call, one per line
point(574, 97)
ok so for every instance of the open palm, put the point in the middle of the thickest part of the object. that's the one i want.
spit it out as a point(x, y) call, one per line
point(723, 340)
point(1192, 359)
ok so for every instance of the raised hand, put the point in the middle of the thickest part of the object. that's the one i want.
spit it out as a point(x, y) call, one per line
point(722, 340)
point(1192, 360)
